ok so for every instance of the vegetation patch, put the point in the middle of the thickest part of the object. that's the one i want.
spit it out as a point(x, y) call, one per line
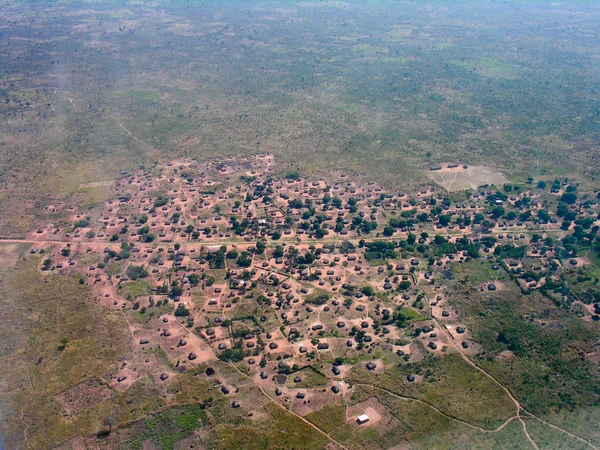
point(452, 385)
point(278, 432)
point(329, 417)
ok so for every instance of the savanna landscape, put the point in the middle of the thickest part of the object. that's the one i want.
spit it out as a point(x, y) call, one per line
point(288, 224)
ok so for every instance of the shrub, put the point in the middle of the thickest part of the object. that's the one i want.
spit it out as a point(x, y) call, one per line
point(134, 272)
point(182, 311)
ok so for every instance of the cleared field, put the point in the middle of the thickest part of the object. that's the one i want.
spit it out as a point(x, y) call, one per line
point(460, 179)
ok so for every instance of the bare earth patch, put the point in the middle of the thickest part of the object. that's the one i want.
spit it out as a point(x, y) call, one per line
point(97, 184)
point(460, 179)
point(371, 408)
point(83, 396)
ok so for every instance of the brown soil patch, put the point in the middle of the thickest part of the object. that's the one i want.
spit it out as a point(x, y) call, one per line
point(379, 415)
point(80, 398)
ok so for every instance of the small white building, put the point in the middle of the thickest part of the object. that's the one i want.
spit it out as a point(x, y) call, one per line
point(363, 418)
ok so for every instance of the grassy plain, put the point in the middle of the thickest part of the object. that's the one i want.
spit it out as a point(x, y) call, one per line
point(43, 313)
point(531, 346)
point(371, 89)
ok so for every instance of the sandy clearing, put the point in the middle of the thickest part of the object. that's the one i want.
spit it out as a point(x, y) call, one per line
point(459, 179)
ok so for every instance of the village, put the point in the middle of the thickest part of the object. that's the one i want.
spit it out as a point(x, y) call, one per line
point(292, 282)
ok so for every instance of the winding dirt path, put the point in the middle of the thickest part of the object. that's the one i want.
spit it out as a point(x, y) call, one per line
point(271, 399)
point(452, 182)
point(135, 137)
point(25, 429)
point(412, 399)
point(491, 377)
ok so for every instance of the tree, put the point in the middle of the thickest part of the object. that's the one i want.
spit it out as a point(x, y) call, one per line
point(109, 423)
point(278, 252)
point(244, 260)
point(368, 291)
point(194, 279)
point(231, 355)
point(82, 223)
point(544, 216)
point(161, 201)
point(134, 272)
point(63, 344)
point(295, 203)
point(318, 300)
point(569, 198)
point(498, 212)
point(182, 311)
point(404, 285)
point(320, 233)
point(176, 291)
point(445, 219)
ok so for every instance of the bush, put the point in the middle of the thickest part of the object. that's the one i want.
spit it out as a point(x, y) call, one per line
point(569, 198)
point(176, 291)
point(404, 285)
point(388, 231)
point(317, 300)
point(244, 260)
point(194, 279)
point(134, 272)
point(81, 223)
point(182, 311)
point(161, 201)
point(368, 291)
point(231, 355)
